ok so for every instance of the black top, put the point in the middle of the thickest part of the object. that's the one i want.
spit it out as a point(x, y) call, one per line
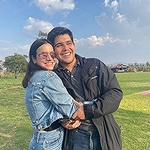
point(74, 77)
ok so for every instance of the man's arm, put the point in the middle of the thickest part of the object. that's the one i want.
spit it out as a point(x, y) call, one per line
point(110, 94)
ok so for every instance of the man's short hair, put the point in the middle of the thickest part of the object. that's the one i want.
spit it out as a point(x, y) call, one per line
point(58, 31)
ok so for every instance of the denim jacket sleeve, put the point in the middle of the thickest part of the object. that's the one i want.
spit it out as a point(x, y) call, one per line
point(55, 91)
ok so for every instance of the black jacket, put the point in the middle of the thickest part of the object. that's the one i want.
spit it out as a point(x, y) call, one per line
point(100, 83)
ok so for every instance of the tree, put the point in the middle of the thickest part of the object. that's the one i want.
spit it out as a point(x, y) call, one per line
point(1, 68)
point(147, 64)
point(16, 63)
point(42, 35)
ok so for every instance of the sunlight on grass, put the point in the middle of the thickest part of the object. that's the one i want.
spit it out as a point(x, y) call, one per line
point(132, 115)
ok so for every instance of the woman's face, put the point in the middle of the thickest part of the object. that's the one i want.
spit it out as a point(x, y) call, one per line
point(45, 57)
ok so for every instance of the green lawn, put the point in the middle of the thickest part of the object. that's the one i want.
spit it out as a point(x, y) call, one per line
point(133, 114)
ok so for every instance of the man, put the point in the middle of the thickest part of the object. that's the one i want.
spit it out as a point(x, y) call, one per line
point(91, 82)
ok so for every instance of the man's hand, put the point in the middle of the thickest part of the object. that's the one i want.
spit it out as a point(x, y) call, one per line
point(79, 114)
point(71, 124)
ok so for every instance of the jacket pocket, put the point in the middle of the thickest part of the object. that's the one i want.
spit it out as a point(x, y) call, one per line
point(53, 142)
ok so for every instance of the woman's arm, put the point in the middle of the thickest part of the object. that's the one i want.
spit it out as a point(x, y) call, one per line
point(55, 91)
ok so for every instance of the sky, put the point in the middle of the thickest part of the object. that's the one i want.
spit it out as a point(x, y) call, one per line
point(114, 31)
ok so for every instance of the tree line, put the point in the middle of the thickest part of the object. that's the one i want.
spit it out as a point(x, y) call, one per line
point(18, 63)
point(139, 67)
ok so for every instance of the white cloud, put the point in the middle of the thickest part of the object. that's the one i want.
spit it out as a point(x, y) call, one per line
point(24, 48)
point(116, 25)
point(106, 3)
point(16, 49)
point(19, 49)
point(64, 24)
point(107, 48)
point(136, 11)
point(33, 26)
point(101, 41)
point(128, 23)
point(120, 18)
point(52, 6)
point(129, 19)
point(4, 41)
point(113, 4)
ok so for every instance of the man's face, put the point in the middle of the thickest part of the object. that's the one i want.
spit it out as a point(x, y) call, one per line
point(65, 50)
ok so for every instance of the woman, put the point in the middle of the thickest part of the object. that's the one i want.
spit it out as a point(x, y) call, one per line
point(46, 99)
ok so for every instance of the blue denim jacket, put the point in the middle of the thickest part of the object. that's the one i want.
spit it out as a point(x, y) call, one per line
point(47, 100)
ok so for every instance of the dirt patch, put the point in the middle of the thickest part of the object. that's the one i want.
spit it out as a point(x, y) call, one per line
point(14, 87)
point(5, 135)
point(145, 93)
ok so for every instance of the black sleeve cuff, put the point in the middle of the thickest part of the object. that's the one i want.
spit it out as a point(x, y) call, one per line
point(88, 111)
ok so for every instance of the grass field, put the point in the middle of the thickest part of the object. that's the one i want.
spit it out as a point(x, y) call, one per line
point(133, 114)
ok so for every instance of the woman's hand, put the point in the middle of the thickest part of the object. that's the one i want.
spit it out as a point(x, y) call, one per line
point(71, 124)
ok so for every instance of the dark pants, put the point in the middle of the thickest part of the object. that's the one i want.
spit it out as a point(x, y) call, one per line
point(86, 140)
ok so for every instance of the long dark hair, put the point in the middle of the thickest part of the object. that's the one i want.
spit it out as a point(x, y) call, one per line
point(31, 68)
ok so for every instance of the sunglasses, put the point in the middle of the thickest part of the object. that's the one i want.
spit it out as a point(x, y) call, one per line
point(44, 55)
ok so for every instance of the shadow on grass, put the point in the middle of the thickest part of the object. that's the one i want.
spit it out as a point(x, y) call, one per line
point(135, 129)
